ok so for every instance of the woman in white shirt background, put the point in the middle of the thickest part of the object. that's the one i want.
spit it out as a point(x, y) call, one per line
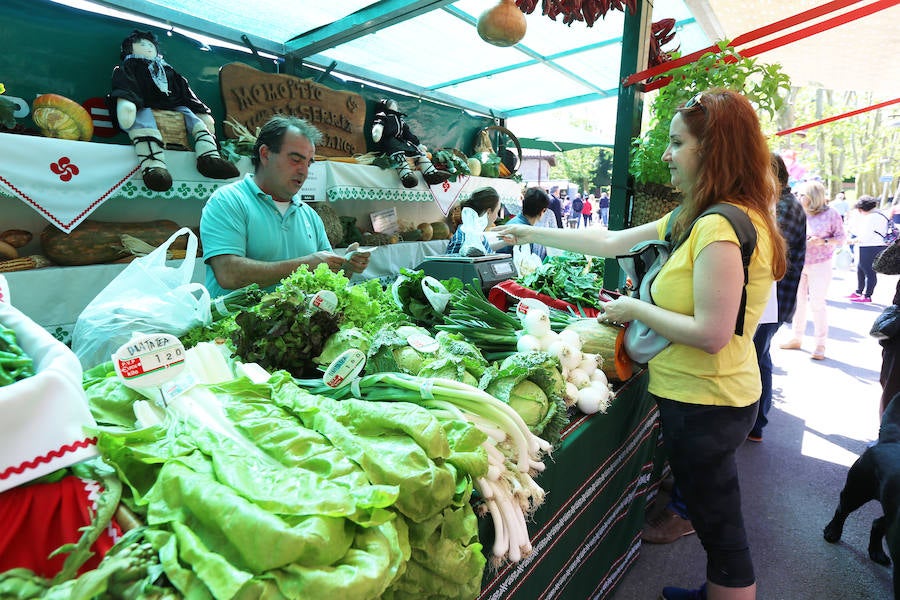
point(870, 227)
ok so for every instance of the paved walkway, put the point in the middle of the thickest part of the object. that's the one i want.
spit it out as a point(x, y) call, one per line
point(824, 414)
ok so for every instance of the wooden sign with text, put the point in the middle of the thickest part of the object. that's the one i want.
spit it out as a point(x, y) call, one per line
point(252, 96)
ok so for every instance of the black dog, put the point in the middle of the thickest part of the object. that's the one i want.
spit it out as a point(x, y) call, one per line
point(876, 476)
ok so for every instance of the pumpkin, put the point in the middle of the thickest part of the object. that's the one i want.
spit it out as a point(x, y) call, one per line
point(95, 242)
point(440, 231)
point(59, 117)
point(427, 231)
point(412, 235)
point(16, 238)
point(600, 339)
point(503, 25)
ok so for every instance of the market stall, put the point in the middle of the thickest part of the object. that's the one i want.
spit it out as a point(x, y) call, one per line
point(266, 452)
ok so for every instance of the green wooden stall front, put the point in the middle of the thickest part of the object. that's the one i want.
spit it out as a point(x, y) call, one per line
point(598, 483)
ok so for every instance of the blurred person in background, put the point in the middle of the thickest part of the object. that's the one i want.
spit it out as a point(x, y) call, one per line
point(556, 205)
point(603, 208)
point(792, 223)
point(587, 211)
point(824, 235)
point(870, 227)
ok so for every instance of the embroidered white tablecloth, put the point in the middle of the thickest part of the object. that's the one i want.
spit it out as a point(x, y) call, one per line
point(65, 181)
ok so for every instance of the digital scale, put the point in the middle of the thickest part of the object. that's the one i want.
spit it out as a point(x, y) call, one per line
point(490, 269)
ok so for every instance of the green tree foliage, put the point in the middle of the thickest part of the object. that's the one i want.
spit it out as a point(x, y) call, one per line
point(603, 170)
point(860, 148)
point(578, 166)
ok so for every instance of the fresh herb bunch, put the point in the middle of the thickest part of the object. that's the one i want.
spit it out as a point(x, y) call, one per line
point(764, 85)
point(283, 333)
point(451, 162)
point(223, 310)
point(15, 364)
point(411, 296)
point(574, 278)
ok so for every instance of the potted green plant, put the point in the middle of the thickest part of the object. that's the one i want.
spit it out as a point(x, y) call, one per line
point(765, 85)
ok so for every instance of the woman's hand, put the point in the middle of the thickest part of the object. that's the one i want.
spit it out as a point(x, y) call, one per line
point(514, 234)
point(617, 311)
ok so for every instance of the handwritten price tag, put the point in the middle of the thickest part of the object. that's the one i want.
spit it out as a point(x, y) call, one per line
point(149, 360)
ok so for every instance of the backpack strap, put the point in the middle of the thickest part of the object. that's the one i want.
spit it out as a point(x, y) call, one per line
point(746, 234)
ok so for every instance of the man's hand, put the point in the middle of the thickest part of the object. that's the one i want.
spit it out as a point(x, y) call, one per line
point(334, 262)
point(358, 262)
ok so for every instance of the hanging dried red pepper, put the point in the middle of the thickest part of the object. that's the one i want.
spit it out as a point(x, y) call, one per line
point(589, 11)
point(662, 32)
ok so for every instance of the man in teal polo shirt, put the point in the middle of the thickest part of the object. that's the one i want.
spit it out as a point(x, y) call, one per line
point(256, 230)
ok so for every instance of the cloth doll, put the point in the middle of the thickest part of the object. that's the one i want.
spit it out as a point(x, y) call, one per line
point(392, 136)
point(144, 81)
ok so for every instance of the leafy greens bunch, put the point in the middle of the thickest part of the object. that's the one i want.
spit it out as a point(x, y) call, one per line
point(411, 297)
point(572, 277)
point(283, 333)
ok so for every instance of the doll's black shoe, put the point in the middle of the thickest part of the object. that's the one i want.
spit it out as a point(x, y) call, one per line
point(215, 167)
point(409, 180)
point(157, 179)
point(436, 176)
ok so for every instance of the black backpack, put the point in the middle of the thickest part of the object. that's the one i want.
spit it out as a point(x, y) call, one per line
point(577, 205)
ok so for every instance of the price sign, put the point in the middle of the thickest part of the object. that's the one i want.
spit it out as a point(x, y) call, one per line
point(324, 300)
point(345, 368)
point(423, 343)
point(149, 360)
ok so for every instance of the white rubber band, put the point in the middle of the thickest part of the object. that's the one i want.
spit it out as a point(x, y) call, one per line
point(219, 305)
point(428, 389)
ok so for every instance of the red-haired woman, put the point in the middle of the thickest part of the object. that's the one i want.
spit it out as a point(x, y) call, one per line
point(706, 382)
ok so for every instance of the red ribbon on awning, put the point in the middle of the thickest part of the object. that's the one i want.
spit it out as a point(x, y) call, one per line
point(838, 117)
point(770, 29)
point(831, 23)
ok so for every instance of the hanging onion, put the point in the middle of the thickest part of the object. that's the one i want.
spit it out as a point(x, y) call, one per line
point(503, 25)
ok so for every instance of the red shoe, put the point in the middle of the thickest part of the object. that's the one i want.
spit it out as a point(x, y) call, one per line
point(861, 300)
point(855, 295)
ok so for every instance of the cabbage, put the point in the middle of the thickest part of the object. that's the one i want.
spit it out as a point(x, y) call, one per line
point(341, 341)
point(532, 404)
point(408, 359)
point(545, 417)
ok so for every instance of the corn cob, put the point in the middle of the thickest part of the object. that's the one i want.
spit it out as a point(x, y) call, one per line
point(35, 261)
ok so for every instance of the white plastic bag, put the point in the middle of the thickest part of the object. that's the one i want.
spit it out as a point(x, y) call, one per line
point(525, 262)
point(473, 227)
point(147, 297)
point(843, 258)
